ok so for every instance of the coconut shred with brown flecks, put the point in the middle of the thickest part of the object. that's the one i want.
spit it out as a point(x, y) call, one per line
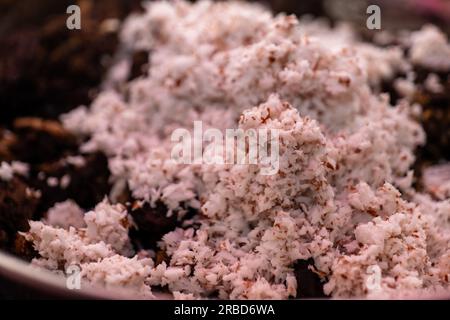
point(342, 196)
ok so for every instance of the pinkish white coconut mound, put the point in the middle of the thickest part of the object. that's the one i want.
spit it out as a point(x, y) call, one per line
point(343, 193)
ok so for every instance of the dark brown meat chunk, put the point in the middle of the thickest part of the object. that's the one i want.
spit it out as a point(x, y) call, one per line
point(7, 141)
point(56, 67)
point(309, 284)
point(41, 140)
point(24, 248)
point(17, 205)
point(87, 184)
point(435, 116)
point(152, 223)
point(139, 64)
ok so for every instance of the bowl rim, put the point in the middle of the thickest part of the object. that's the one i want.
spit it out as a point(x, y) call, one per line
point(21, 271)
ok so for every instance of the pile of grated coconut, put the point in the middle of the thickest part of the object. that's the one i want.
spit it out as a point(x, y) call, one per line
point(343, 194)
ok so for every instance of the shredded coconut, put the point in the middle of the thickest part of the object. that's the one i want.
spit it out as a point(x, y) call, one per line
point(430, 48)
point(345, 153)
point(77, 161)
point(66, 214)
point(436, 180)
point(97, 242)
point(52, 182)
point(109, 223)
point(7, 171)
point(120, 272)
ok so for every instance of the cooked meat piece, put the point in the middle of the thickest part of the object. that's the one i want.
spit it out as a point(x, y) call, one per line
point(41, 140)
point(17, 205)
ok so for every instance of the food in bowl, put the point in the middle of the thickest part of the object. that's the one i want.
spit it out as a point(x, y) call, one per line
point(342, 215)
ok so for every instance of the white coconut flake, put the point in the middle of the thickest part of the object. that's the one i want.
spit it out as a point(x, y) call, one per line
point(7, 171)
point(120, 272)
point(430, 48)
point(96, 241)
point(66, 214)
point(52, 182)
point(77, 161)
